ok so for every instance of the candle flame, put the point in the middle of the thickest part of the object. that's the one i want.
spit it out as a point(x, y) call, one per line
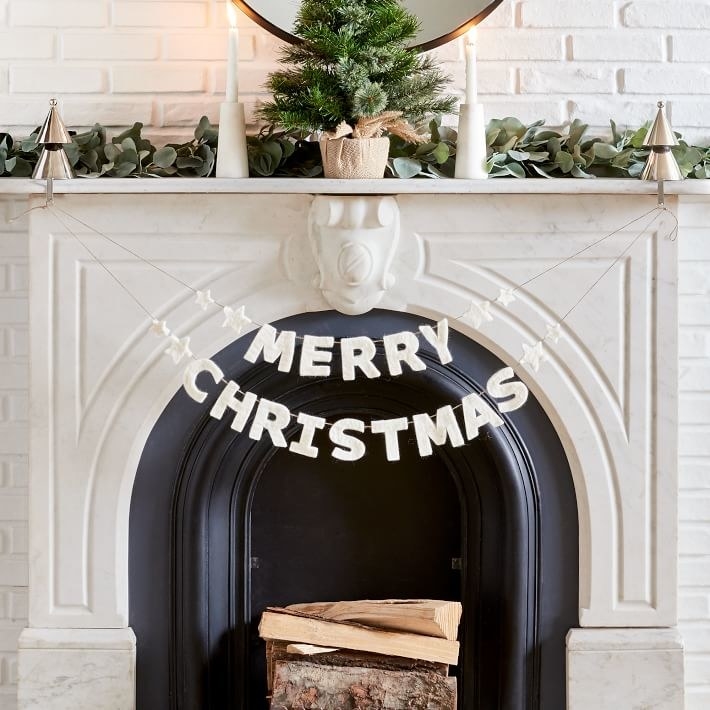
point(232, 14)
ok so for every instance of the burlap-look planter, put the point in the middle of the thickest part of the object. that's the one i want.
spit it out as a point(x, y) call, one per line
point(355, 158)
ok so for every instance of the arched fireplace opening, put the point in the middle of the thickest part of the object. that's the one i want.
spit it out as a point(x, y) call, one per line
point(222, 526)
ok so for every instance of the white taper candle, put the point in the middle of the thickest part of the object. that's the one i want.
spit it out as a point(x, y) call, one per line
point(471, 68)
point(233, 56)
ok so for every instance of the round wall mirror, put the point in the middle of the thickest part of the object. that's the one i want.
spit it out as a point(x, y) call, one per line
point(441, 21)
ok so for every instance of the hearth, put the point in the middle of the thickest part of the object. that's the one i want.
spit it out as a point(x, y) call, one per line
point(222, 527)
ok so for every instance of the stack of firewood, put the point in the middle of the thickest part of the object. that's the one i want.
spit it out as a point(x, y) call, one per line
point(380, 655)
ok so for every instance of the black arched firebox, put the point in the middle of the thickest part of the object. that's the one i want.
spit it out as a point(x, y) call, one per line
point(222, 527)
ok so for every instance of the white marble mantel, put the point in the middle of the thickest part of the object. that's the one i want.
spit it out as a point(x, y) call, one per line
point(99, 384)
point(293, 186)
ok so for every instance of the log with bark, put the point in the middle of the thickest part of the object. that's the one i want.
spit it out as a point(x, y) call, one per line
point(303, 685)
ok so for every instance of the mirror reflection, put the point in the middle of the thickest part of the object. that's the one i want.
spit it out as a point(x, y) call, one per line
point(441, 20)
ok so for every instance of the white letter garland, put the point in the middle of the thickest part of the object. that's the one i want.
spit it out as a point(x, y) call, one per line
point(273, 418)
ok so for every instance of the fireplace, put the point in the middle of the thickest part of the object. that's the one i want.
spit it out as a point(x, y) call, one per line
point(230, 526)
point(557, 531)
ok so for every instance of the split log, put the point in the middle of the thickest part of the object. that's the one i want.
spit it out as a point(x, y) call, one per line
point(307, 686)
point(296, 627)
point(429, 617)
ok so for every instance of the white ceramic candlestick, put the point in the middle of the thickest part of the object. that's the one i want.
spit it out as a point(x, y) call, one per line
point(232, 156)
point(471, 148)
point(471, 151)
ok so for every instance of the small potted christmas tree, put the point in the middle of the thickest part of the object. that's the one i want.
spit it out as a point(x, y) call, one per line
point(353, 79)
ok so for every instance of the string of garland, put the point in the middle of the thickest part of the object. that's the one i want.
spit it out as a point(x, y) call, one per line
point(514, 150)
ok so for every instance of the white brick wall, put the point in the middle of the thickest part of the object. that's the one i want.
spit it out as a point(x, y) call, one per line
point(161, 62)
point(14, 404)
point(694, 413)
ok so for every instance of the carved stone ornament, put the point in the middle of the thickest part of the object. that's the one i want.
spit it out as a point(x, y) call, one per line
point(354, 240)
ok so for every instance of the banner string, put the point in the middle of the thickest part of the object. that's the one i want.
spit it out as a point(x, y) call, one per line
point(478, 312)
point(533, 356)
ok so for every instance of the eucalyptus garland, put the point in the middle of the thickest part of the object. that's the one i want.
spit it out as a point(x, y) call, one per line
point(514, 150)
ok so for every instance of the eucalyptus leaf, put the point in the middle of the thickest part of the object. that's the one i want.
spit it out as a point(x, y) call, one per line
point(165, 157)
point(406, 167)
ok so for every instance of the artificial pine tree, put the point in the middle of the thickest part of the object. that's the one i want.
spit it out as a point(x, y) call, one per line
point(354, 66)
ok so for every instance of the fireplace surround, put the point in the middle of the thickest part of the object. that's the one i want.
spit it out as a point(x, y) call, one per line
point(609, 393)
point(230, 526)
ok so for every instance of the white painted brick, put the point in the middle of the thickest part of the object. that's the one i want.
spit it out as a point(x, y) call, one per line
point(19, 603)
point(29, 111)
point(697, 699)
point(188, 113)
point(520, 45)
point(694, 279)
point(19, 470)
point(695, 409)
point(27, 45)
point(694, 378)
point(13, 440)
point(695, 572)
point(667, 79)
point(695, 441)
point(691, 14)
point(696, 637)
point(695, 245)
point(690, 47)
point(13, 310)
point(694, 475)
point(553, 13)
point(20, 541)
point(552, 78)
point(694, 310)
point(691, 113)
point(695, 539)
point(108, 112)
point(697, 669)
point(694, 508)
point(553, 112)
point(19, 342)
point(159, 14)
point(694, 343)
point(110, 45)
point(502, 16)
point(13, 507)
point(57, 79)
point(206, 46)
point(251, 80)
point(4, 82)
point(4, 278)
point(9, 638)
point(19, 278)
point(147, 78)
point(494, 78)
point(598, 111)
point(618, 46)
point(694, 607)
point(14, 573)
point(51, 13)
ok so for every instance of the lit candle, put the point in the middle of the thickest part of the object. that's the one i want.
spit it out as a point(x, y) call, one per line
point(471, 68)
point(233, 56)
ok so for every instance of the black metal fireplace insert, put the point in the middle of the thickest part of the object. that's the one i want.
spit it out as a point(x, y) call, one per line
point(222, 527)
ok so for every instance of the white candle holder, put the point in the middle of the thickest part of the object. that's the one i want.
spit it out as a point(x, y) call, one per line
point(232, 155)
point(471, 150)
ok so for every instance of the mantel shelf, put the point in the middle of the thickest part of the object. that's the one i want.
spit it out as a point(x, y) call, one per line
point(136, 186)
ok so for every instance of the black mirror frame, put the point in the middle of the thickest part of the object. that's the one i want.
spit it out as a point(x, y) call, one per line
point(432, 44)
